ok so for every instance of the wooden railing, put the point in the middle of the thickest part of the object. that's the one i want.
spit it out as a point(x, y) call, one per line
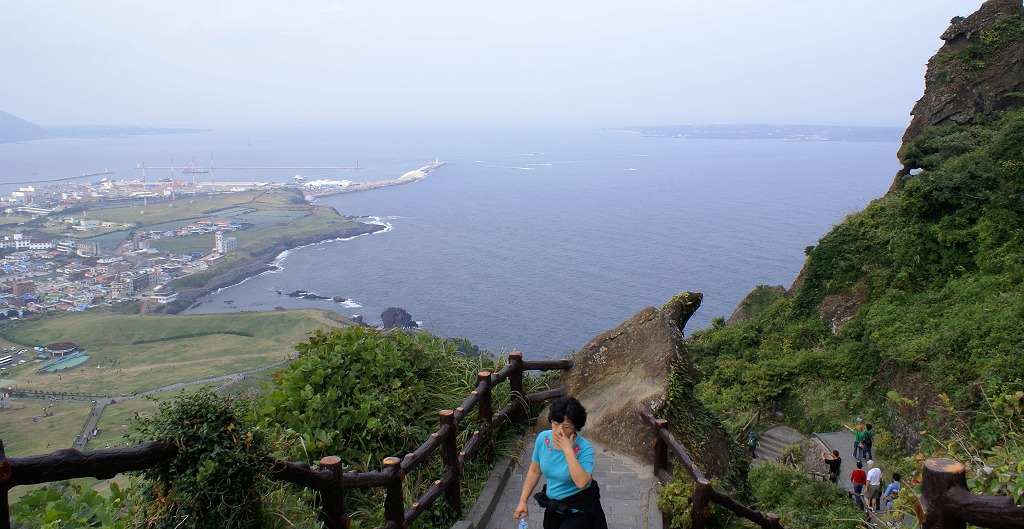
point(703, 492)
point(945, 502)
point(328, 479)
point(755, 419)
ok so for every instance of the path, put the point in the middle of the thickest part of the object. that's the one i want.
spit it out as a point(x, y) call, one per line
point(629, 492)
point(842, 441)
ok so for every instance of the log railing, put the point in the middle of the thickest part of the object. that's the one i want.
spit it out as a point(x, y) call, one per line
point(755, 419)
point(328, 479)
point(703, 492)
point(945, 502)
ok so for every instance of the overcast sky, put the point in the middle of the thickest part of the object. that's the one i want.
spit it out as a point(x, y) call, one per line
point(530, 62)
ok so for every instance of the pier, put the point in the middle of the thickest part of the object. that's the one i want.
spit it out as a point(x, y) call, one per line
point(407, 178)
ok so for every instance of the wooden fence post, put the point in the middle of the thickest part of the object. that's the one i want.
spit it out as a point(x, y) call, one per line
point(332, 510)
point(5, 475)
point(515, 381)
point(485, 411)
point(701, 499)
point(394, 503)
point(937, 477)
point(661, 470)
point(450, 456)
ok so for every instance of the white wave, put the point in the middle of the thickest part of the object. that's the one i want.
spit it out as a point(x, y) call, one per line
point(350, 304)
point(523, 168)
point(277, 265)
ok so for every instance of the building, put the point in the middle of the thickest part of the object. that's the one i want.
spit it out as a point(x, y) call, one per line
point(60, 349)
point(23, 287)
point(224, 244)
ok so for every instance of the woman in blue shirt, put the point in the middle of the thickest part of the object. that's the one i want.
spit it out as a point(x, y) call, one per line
point(571, 498)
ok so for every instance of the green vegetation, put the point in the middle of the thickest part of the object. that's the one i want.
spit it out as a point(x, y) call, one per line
point(912, 304)
point(342, 383)
point(217, 478)
point(801, 501)
point(364, 394)
point(137, 353)
point(27, 428)
point(976, 55)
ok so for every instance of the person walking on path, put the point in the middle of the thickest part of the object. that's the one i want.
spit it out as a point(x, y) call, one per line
point(752, 444)
point(834, 463)
point(874, 486)
point(858, 442)
point(892, 492)
point(859, 478)
point(869, 439)
point(571, 498)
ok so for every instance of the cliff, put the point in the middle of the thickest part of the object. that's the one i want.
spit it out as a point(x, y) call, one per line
point(976, 74)
point(905, 313)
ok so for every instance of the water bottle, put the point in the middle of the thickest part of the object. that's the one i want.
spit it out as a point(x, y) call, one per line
point(523, 523)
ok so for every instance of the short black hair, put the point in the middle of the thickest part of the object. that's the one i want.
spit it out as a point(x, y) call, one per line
point(563, 407)
point(859, 465)
point(896, 477)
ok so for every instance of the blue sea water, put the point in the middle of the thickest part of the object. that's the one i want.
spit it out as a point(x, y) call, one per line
point(534, 240)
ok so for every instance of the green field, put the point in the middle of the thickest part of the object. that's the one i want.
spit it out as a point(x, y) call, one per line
point(136, 353)
point(22, 436)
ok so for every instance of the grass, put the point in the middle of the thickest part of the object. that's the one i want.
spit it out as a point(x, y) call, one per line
point(22, 436)
point(136, 353)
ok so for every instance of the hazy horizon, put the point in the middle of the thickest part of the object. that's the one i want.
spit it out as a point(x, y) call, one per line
point(331, 63)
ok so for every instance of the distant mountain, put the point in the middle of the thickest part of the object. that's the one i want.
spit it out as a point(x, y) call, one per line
point(13, 128)
point(773, 132)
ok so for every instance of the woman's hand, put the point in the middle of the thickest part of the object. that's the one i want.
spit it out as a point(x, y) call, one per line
point(562, 442)
point(522, 511)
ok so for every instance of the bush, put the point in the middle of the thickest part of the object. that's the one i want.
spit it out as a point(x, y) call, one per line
point(219, 476)
point(802, 502)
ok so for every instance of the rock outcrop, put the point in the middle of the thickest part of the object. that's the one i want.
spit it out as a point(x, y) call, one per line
point(628, 368)
point(964, 87)
point(396, 317)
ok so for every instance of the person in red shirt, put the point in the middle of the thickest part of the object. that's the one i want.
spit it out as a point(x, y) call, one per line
point(859, 478)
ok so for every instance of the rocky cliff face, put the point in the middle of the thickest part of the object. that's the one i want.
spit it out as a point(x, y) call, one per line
point(628, 368)
point(975, 75)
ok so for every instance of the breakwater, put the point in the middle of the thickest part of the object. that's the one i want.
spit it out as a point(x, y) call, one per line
point(407, 178)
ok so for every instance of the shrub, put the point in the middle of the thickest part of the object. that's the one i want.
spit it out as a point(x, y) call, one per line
point(218, 478)
point(800, 501)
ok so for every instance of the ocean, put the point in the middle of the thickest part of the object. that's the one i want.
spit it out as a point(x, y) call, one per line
point(529, 240)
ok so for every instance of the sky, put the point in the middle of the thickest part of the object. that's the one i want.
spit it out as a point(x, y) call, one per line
point(602, 63)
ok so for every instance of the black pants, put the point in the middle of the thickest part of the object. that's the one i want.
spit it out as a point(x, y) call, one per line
point(579, 520)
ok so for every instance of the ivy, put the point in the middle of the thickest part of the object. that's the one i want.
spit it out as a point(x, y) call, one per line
point(218, 478)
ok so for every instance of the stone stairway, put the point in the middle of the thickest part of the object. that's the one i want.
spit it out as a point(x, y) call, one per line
point(774, 440)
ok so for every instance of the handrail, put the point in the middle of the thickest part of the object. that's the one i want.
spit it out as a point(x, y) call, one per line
point(703, 492)
point(754, 420)
point(328, 479)
point(945, 502)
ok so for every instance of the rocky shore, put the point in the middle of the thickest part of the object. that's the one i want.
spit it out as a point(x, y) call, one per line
point(262, 262)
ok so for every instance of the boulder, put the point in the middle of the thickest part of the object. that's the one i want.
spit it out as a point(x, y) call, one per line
point(627, 368)
point(396, 317)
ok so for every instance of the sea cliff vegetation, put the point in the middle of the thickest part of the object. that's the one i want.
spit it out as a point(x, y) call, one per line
point(907, 313)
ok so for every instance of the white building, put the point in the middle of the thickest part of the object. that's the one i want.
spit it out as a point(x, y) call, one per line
point(222, 244)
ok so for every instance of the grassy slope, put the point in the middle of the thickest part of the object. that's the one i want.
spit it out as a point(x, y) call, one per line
point(138, 353)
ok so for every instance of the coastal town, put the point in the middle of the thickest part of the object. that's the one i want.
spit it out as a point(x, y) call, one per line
point(58, 256)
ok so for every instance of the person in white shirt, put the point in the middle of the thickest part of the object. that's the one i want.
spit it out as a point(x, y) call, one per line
point(874, 486)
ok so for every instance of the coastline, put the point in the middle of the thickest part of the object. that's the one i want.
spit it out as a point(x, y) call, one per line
point(262, 262)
